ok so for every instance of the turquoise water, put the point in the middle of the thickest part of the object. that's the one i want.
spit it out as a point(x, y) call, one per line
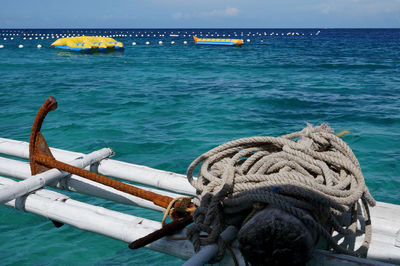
point(163, 105)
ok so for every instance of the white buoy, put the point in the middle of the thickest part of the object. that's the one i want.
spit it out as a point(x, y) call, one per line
point(11, 38)
point(5, 39)
point(39, 46)
point(184, 42)
point(248, 40)
point(20, 46)
point(1, 46)
point(133, 43)
point(147, 43)
point(172, 42)
point(160, 42)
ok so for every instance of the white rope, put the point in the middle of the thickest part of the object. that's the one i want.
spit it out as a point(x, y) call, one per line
point(307, 172)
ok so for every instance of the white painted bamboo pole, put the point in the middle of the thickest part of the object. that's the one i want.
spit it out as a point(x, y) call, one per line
point(206, 253)
point(128, 228)
point(148, 176)
point(124, 227)
point(53, 175)
point(385, 217)
point(126, 171)
point(326, 258)
point(21, 170)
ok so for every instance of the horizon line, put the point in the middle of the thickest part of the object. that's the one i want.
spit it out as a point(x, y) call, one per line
point(196, 28)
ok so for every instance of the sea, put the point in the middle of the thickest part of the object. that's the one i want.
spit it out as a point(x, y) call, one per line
point(163, 104)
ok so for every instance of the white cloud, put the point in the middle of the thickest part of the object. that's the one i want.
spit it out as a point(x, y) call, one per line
point(231, 11)
point(355, 7)
point(326, 9)
point(227, 12)
point(180, 15)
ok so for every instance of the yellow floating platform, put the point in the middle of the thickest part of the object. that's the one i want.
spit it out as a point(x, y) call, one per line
point(88, 43)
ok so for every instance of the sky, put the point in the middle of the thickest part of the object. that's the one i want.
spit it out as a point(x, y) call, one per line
point(200, 14)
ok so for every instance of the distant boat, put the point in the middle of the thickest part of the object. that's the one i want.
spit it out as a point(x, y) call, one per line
point(213, 41)
point(88, 43)
point(174, 35)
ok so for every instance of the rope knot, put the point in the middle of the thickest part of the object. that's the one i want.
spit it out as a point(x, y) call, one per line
point(178, 208)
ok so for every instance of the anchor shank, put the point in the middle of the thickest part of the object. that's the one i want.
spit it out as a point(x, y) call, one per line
point(160, 200)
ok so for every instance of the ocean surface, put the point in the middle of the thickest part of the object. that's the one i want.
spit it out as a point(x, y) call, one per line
point(164, 105)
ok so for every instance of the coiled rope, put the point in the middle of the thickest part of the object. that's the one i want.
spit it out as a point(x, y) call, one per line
point(307, 172)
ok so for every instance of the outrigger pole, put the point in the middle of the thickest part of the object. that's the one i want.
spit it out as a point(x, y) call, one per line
point(40, 180)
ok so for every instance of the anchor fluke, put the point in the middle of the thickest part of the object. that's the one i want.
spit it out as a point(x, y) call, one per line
point(37, 143)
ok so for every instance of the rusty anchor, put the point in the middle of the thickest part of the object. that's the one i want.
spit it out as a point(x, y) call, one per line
point(41, 160)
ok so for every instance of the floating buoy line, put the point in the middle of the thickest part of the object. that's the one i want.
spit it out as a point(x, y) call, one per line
point(31, 38)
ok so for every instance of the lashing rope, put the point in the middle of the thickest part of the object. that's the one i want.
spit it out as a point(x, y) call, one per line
point(310, 171)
